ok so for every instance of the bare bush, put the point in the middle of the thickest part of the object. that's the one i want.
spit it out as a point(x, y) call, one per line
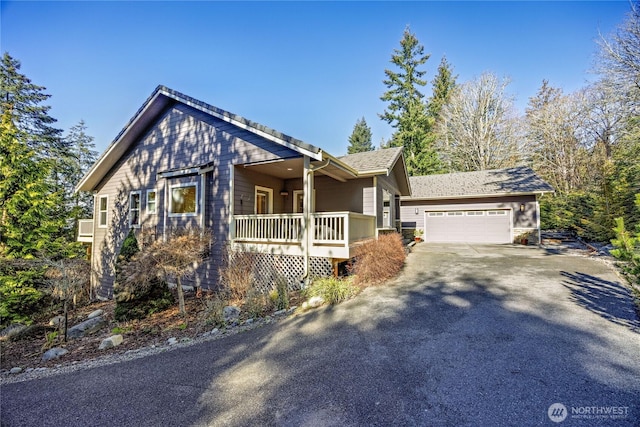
point(379, 260)
point(174, 258)
point(236, 273)
point(68, 280)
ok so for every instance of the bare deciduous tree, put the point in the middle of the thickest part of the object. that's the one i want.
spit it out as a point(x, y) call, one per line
point(620, 54)
point(175, 258)
point(479, 129)
point(67, 279)
point(555, 134)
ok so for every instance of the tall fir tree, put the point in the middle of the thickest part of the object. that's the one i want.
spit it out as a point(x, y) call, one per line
point(81, 156)
point(29, 114)
point(28, 223)
point(406, 110)
point(443, 84)
point(360, 138)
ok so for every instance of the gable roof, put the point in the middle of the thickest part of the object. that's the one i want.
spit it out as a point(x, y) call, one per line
point(491, 183)
point(372, 161)
point(162, 97)
point(380, 162)
point(367, 164)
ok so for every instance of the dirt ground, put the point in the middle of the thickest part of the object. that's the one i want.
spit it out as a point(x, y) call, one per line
point(26, 352)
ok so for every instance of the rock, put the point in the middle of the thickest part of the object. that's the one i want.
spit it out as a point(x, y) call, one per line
point(56, 321)
point(96, 313)
point(112, 341)
point(87, 327)
point(279, 312)
point(248, 321)
point(292, 308)
point(12, 330)
point(54, 353)
point(15, 370)
point(305, 305)
point(214, 331)
point(172, 341)
point(315, 302)
point(230, 313)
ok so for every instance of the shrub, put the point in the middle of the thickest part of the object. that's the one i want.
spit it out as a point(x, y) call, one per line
point(332, 289)
point(379, 260)
point(627, 250)
point(20, 291)
point(137, 299)
point(213, 313)
point(256, 303)
point(282, 294)
point(236, 273)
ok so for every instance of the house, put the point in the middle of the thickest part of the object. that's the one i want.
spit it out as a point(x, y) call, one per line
point(181, 162)
point(491, 206)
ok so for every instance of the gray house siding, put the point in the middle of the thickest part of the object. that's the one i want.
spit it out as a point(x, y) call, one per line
point(181, 137)
point(526, 219)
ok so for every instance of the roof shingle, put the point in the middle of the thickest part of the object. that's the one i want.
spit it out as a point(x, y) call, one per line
point(369, 161)
point(515, 180)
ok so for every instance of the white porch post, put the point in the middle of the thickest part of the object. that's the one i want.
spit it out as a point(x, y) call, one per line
point(307, 223)
point(538, 220)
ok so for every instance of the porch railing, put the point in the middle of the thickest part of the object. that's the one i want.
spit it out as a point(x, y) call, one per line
point(85, 230)
point(329, 228)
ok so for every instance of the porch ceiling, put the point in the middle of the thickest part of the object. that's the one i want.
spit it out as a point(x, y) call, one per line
point(292, 168)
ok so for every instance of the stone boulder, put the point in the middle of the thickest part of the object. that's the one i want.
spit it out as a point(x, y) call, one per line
point(54, 353)
point(231, 313)
point(112, 341)
point(315, 302)
point(87, 327)
point(95, 313)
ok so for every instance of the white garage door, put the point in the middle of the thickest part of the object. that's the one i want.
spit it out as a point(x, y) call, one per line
point(473, 226)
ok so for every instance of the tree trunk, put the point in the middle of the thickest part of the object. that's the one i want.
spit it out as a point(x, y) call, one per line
point(181, 307)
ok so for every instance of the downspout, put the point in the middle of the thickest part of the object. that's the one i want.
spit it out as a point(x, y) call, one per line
point(165, 209)
point(306, 210)
point(538, 218)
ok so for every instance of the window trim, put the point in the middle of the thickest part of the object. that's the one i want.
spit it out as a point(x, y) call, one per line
point(139, 194)
point(170, 212)
point(155, 201)
point(267, 190)
point(106, 211)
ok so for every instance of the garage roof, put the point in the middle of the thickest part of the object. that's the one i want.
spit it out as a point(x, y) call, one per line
point(488, 183)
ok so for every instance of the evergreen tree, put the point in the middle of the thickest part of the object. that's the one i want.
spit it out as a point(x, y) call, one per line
point(404, 86)
point(360, 139)
point(81, 156)
point(406, 111)
point(443, 84)
point(28, 113)
point(27, 224)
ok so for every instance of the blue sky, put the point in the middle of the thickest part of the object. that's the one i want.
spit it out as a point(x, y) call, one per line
point(308, 69)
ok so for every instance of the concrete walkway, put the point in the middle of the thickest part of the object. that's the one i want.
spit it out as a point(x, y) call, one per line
point(467, 336)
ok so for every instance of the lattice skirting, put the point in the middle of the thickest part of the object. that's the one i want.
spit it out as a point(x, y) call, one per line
point(267, 268)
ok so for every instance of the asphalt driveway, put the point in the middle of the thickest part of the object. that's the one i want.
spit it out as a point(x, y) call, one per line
point(467, 336)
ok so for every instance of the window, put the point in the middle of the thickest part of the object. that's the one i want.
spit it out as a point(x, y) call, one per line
point(455, 213)
point(134, 209)
point(475, 213)
point(491, 213)
point(264, 200)
point(183, 200)
point(103, 205)
point(436, 213)
point(298, 201)
point(152, 202)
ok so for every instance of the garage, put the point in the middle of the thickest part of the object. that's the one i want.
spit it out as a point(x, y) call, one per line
point(490, 206)
point(468, 226)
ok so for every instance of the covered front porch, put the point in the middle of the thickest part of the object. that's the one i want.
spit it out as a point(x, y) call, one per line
point(331, 234)
point(303, 207)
